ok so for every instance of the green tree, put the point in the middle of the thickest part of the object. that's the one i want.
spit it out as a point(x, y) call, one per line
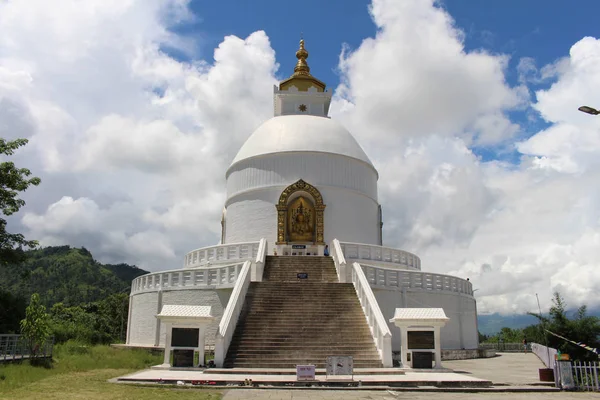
point(581, 328)
point(35, 327)
point(12, 181)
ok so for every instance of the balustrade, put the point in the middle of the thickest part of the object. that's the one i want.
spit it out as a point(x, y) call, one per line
point(359, 251)
point(222, 253)
point(394, 278)
point(221, 276)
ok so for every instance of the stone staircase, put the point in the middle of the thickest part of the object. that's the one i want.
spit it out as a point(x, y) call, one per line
point(287, 321)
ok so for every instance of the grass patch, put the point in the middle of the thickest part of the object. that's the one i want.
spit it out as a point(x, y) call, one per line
point(93, 385)
point(81, 372)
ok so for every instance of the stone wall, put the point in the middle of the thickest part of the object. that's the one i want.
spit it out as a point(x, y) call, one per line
point(467, 354)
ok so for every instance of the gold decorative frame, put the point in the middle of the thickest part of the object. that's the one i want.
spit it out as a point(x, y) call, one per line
point(282, 209)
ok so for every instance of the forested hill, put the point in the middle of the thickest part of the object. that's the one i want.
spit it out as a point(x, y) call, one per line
point(68, 275)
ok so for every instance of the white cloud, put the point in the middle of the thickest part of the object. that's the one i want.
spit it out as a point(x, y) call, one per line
point(135, 143)
point(415, 78)
point(418, 102)
point(116, 124)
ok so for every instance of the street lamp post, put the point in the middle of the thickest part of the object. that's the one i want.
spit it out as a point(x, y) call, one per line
point(589, 110)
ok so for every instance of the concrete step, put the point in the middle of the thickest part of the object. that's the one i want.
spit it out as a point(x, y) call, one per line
point(286, 321)
point(292, 371)
point(300, 354)
point(292, 364)
point(299, 345)
point(292, 341)
point(296, 340)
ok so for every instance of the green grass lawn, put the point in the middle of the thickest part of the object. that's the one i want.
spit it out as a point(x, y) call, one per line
point(80, 372)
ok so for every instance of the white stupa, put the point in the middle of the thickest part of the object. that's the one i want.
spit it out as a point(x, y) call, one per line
point(300, 182)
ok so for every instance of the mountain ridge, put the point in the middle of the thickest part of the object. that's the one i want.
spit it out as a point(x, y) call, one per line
point(66, 274)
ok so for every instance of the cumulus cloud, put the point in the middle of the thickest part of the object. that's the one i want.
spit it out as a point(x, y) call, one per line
point(420, 103)
point(132, 143)
point(422, 80)
point(122, 133)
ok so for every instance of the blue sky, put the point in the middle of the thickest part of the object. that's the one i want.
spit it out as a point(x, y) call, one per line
point(544, 30)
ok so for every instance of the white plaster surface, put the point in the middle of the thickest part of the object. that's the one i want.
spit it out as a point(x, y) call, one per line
point(349, 216)
point(460, 331)
point(144, 309)
point(143, 322)
point(316, 168)
point(301, 133)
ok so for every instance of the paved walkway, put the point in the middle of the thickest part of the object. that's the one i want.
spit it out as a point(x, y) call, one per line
point(513, 369)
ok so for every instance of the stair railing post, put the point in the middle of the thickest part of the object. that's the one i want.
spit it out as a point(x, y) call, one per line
point(340, 261)
point(219, 350)
point(259, 262)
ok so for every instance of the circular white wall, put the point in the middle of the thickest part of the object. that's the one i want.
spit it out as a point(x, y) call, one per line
point(348, 187)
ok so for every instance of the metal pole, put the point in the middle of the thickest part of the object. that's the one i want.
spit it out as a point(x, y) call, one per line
point(543, 330)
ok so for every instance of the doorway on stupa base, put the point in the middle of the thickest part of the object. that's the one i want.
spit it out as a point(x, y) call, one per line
point(300, 220)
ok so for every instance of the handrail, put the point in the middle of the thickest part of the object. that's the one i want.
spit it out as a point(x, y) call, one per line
point(339, 260)
point(545, 354)
point(392, 278)
point(214, 276)
point(231, 315)
point(377, 324)
point(221, 253)
point(380, 254)
point(259, 262)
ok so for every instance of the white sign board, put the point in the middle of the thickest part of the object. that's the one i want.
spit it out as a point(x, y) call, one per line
point(340, 365)
point(305, 372)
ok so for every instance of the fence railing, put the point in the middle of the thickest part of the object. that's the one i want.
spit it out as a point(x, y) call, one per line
point(222, 253)
point(15, 347)
point(585, 375)
point(379, 328)
point(369, 252)
point(231, 315)
point(387, 278)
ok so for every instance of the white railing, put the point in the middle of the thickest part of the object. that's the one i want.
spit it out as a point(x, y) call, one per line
point(222, 253)
point(388, 278)
point(259, 263)
point(370, 252)
point(585, 375)
point(379, 328)
point(214, 276)
point(339, 260)
point(545, 354)
point(231, 315)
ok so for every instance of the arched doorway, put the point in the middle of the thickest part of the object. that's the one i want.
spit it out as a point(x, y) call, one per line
point(300, 214)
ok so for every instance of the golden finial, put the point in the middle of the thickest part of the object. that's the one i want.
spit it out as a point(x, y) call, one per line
point(301, 67)
point(301, 79)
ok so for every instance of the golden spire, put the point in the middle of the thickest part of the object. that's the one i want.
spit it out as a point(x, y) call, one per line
point(301, 67)
point(301, 79)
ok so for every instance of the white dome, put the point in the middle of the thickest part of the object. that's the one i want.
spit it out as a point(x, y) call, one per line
point(301, 133)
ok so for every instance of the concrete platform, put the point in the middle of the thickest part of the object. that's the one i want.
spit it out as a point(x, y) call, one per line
point(403, 379)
